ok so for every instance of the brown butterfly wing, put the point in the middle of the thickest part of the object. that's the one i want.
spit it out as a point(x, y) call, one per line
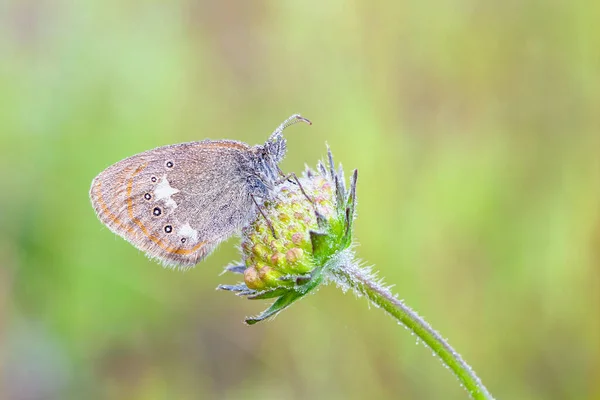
point(177, 203)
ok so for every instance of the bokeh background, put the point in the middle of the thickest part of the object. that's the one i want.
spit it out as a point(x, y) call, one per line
point(475, 128)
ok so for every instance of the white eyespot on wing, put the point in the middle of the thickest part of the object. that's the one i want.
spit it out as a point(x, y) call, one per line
point(187, 231)
point(164, 191)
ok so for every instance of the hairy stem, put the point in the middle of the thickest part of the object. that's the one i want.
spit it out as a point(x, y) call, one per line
point(362, 281)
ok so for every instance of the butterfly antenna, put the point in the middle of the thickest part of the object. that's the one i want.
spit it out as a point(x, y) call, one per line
point(290, 121)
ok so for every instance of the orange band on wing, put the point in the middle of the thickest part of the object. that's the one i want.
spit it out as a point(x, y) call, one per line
point(161, 243)
point(106, 211)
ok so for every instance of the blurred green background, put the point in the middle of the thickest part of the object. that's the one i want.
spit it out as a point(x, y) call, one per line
point(475, 128)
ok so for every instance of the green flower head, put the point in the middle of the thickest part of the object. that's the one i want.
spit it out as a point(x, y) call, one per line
point(287, 249)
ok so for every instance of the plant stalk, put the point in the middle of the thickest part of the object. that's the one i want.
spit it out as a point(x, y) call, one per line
point(363, 282)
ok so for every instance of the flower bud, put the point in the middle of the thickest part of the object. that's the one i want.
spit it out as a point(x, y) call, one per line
point(291, 215)
point(287, 247)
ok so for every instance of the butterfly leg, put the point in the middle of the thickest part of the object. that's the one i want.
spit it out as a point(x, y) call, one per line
point(296, 181)
point(264, 216)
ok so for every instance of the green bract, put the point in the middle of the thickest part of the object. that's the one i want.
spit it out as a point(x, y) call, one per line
point(287, 250)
